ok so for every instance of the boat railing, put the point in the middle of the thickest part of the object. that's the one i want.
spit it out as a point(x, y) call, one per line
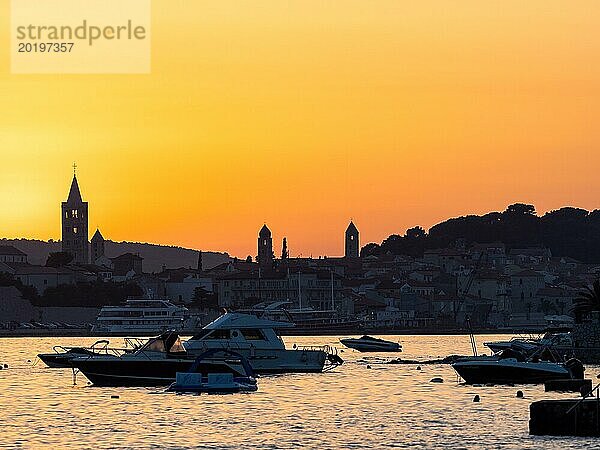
point(316, 348)
point(97, 347)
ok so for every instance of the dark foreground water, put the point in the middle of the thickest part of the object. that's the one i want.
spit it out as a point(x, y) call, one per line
point(352, 407)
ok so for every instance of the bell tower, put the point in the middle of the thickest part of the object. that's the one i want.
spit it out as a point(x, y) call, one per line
point(265, 248)
point(351, 241)
point(97, 246)
point(74, 214)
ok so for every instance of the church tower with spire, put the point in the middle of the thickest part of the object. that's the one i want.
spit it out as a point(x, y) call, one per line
point(97, 244)
point(351, 241)
point(75, 224)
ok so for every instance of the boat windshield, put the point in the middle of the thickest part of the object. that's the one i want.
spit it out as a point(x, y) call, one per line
point(166, 343)
point(155, 345)
point(200, 334)
point(177, 347)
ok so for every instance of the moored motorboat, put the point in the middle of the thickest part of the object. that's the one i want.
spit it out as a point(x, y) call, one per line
point(558, 340)
point(371, 344)
point(257, 340)
point(61, 356)
point(154, 364)
point(510, 367)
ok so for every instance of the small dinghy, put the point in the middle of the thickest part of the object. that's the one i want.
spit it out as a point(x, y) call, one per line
point(193, 381)
point(212, 383)
point(371, 344)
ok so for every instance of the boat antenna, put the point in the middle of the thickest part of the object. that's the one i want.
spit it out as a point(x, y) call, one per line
point(471, 336)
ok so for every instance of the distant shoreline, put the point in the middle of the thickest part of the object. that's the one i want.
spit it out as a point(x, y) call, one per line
point(80, 332)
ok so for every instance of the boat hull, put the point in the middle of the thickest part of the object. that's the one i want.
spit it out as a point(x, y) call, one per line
point(62, 360)
point(276, 361)
point(138, 371)
point(56, 360)
point(478, 372)
point(368, 346)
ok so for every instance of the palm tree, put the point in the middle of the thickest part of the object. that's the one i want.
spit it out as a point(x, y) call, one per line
point(588, 300)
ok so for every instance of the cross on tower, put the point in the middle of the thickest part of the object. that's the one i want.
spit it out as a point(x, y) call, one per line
point(74, 168)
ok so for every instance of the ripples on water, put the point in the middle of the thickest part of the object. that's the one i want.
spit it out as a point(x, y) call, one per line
point(352, 407)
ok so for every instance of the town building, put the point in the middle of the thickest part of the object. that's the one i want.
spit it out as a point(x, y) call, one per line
point(126, 266)
point(11, 254)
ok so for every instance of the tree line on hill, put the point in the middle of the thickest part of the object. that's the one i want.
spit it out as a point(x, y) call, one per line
point(570, 232)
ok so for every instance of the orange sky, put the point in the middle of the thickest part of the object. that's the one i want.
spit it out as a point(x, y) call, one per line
point(304, 114)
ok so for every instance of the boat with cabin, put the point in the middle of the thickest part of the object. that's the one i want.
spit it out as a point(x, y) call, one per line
point(142, 317)
point(559, 340)
point(257, 340)
point(306, 319)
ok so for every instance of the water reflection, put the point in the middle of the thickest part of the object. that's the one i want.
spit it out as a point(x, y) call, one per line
point(351, 407)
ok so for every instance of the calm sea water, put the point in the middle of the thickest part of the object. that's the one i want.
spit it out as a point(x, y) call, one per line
point(351, 407)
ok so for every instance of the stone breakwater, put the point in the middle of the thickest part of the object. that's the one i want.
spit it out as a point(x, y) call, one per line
point(586, 340)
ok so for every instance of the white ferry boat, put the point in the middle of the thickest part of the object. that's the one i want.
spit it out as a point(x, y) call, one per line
point(145, 316)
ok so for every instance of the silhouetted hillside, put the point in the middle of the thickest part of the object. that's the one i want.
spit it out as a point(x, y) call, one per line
point(154, 255)
point(568, 231)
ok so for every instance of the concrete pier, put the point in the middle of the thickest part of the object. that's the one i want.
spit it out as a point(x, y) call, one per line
point(559, 418)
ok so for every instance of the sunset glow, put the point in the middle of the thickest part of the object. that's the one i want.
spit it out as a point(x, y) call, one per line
point(306, 114)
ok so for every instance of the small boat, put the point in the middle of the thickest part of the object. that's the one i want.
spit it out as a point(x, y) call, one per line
point(371, 344)
point(215, 383)
point(212, 383)
point(510, 367)
point(557, 339)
